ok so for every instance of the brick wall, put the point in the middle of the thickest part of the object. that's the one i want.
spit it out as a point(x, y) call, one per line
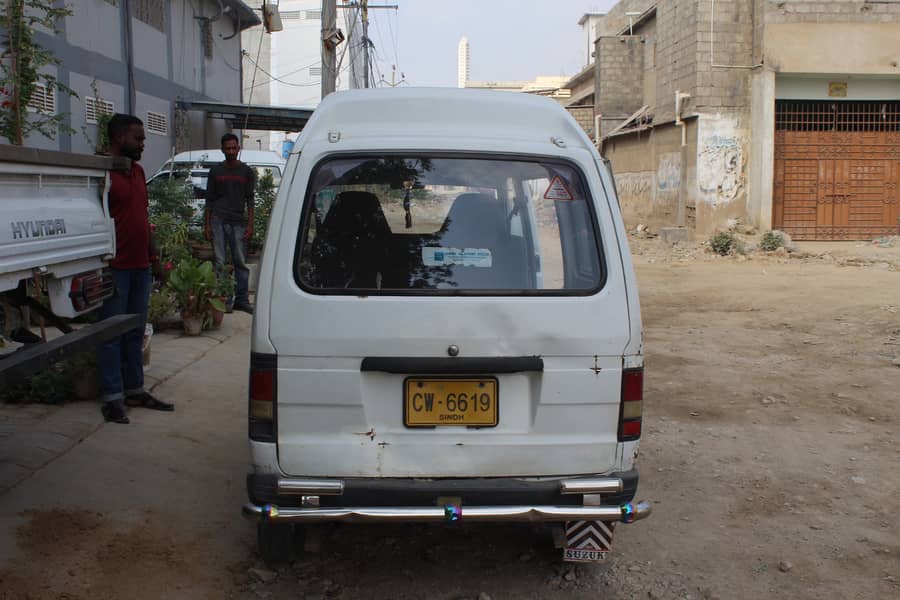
point(676, 54)
point(620, 78)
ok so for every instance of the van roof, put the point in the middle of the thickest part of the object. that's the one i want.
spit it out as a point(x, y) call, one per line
point(254, 157)
point(445, 112)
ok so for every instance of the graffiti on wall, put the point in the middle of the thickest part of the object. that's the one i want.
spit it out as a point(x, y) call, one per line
point(668, 177)
point(635, 186)
point(720, 161)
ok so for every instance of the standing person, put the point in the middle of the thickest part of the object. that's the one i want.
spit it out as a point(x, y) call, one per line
point(120, 360)
point(229, 216)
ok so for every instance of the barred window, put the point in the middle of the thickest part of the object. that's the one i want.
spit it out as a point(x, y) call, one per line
point(151, 12)
point(313, 15)
point(315, 71)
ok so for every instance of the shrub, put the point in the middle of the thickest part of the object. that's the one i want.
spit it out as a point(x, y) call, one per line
point(171, 196)
point(771, 241)
point(161, 307)
point(724, 243)
point(265, 198)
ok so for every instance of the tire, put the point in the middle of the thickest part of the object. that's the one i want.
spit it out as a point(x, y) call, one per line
point(275, 542)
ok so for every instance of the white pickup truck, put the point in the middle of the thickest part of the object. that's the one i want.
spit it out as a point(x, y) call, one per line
point(56, 236)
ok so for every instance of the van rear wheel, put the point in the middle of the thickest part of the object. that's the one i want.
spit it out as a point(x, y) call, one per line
point(275, 542)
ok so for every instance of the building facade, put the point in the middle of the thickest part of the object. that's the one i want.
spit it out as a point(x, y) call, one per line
point(140, 57)
point(284, 68)
point(783, 114)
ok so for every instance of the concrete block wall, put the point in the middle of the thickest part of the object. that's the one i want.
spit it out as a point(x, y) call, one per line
point(829, 11)
point(620, 82)
point(585, 117)
point(731, 31)
point(676, 54)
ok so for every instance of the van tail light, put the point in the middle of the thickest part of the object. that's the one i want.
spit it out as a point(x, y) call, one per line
point(91, 289)
point(631, 411)
point(263, 397)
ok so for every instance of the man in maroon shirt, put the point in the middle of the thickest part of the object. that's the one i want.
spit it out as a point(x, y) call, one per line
point(120, 361)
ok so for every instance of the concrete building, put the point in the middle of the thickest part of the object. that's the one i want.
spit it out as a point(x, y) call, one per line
point(783, 114)
point(462, 63)
point(139, 57)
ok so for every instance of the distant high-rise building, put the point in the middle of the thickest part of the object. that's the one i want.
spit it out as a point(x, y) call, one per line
point(462, 66)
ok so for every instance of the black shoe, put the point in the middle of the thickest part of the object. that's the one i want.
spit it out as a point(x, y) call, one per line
point(114, 412)
point(244, 307)
point(146, 400)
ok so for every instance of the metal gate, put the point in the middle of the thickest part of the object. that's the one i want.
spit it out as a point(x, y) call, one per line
point(837, 169)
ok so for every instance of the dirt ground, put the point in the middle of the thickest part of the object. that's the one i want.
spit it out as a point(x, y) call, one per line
point(770, 454)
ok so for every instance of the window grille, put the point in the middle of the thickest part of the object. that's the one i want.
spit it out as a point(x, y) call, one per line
point(315, 71)
point(157, 123)
point(290, 15)
point(827, 115)
point(313, 15)
point(94, 108)
point(43, 99)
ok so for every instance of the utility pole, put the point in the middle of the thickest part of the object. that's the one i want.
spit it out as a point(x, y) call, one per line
point(329, 45)
point(364, 5)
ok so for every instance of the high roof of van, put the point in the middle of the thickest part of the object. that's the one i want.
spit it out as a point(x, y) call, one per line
point(453, 112)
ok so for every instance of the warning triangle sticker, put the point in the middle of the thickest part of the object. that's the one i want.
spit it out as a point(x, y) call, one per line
point(558, 190)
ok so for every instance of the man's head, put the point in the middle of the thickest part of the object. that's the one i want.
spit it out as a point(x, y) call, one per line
point(230, 147)
point(126, 136)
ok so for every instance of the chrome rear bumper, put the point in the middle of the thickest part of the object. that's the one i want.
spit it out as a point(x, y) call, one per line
point(310, 512)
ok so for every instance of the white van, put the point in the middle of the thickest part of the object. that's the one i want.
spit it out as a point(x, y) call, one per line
point(447, 326)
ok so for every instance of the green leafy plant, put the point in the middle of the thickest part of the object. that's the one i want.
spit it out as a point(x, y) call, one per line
point(50, 386)
point(101, 139)
point(724, 243)
point(225, 286)
point(771, 241)
point(160, 307)
point(265, 198)
point(171, 196)
point(193, 283)
point(22, 63)
point(172, 238)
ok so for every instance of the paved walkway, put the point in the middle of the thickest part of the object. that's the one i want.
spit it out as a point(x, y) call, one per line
point(34, 435)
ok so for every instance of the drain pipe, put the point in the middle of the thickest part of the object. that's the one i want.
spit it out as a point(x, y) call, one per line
point(679, 97)
point(712, 35)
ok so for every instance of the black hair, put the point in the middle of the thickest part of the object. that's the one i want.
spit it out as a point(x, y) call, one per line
point(230, 136)
point(119, 123)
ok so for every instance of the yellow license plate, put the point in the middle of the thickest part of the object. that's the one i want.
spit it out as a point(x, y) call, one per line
point(433, 401)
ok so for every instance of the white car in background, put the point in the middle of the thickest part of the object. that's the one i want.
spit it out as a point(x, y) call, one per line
point(196, 163)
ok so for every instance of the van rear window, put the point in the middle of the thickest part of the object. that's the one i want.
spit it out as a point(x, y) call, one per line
point(447, 225)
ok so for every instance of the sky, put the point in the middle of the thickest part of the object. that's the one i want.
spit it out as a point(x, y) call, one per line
point(514, 40)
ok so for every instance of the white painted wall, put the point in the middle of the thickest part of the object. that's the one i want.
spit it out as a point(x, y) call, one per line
point(95, 25)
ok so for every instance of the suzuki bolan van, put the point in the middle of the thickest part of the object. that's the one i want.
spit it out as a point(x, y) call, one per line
point(447, 325)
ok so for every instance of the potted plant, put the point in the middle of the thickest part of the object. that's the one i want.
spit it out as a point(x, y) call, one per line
point(224, 292)
point(194, 282)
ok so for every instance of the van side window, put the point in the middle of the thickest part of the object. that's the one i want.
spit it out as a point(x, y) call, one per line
point(437, 225)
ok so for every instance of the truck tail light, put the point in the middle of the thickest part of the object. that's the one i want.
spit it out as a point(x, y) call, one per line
point(88, 290)
point(632, 408)
point(263, 397)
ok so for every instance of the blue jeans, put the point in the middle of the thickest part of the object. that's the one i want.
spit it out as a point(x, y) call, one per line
point(227, 236)
point(120, 361)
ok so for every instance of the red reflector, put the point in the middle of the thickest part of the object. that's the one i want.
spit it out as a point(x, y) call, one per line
point(262, 385)
point(633, 385)
point(631, 429)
